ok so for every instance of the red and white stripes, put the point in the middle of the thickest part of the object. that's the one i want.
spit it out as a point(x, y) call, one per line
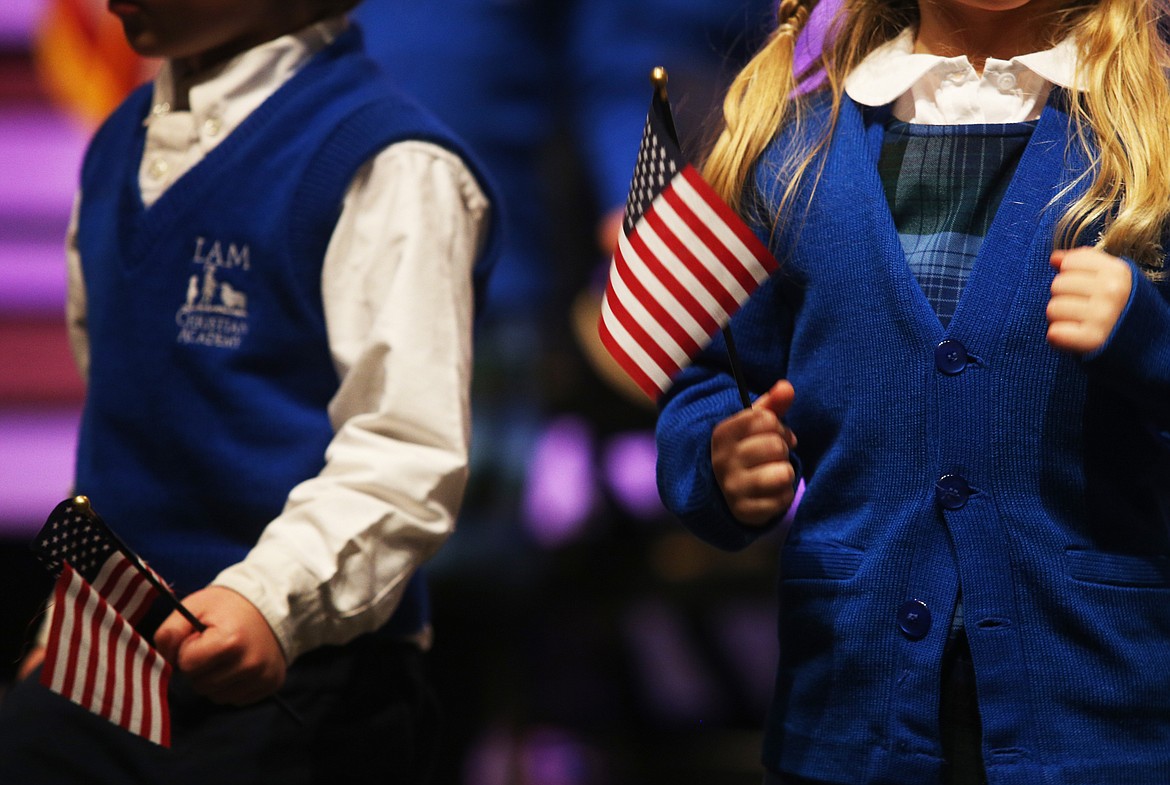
point(96, 659)
point(676, 279)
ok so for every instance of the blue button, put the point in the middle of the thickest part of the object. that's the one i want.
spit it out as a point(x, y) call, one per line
point(952, 491)
point(914, 619)
point(950, 357)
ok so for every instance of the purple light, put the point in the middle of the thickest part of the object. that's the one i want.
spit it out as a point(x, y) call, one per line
point(629, 466)
point(545, 755)
point(40, 151)
point(34, 278)
point(561, 489)
point(786, 521)
point(670, 669)
point(812, 38)
point(747, 637)
point(553, 756)
point(36, 465)
point(18, 18)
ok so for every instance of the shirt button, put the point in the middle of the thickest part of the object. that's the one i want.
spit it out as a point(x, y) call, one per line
point(158, 168)
point(950, 357)
point(1007, 82)
point(914, 619)
point(952, 492)
point(160, 108)
point(212, 126)
point(957, 77)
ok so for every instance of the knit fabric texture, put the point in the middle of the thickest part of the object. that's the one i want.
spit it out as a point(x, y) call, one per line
point(211, 373)
point(972, 454)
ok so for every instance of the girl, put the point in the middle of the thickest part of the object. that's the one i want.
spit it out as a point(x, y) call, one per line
point(971, 330)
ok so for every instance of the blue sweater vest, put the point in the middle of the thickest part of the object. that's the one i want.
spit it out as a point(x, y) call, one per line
point(973, 456)
point(210, 369)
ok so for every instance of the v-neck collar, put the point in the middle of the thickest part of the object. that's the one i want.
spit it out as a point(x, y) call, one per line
point(149, 223)
point(185, 124)
point(1008, 248)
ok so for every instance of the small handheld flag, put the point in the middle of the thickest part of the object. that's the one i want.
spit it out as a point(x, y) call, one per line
point(685, 262)
point(94, 656)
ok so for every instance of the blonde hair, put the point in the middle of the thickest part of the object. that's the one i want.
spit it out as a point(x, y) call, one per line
point(1121, 120)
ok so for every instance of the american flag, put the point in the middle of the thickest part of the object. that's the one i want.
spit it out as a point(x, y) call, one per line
point(94, 656)
point(684, 263)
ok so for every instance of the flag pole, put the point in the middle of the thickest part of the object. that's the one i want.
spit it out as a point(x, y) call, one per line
point(84, 506)
point(659, 79)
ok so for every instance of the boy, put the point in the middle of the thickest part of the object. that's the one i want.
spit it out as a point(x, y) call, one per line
point(271, 286)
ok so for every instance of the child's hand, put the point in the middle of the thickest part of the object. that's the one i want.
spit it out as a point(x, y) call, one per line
point(30, 663)
point(749, 452)
point(236, 660)
point(1088, 296)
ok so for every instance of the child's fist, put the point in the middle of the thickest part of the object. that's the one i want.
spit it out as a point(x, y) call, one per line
point(1088, 295)
point(749, 453)
point(236, 660)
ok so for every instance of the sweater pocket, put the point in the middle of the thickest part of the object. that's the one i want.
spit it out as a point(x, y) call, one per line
point(819, 561)
point(1117, 569)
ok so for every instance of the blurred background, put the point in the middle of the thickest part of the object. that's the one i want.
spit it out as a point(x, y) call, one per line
point(582, 636)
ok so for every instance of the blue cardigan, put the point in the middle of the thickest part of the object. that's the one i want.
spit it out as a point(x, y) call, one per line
point(975, 456)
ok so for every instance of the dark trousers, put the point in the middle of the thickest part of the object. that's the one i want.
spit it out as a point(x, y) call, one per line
point(365, 713)
point(959, 726)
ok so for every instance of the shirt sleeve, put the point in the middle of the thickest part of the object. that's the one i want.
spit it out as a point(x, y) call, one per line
point(78, 342)
point(75, 311)
point(398, 296)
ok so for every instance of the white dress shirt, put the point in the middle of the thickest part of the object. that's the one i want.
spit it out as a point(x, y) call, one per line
point(935, 90)
point(397, 293)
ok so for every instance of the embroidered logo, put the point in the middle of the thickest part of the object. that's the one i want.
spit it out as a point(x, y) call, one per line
point(215, 312)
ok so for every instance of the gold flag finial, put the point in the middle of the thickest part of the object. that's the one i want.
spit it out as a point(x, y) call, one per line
point(659, 78)
point(82, 504)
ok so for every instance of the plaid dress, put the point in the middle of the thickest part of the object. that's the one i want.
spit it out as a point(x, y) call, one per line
point(944, 184)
